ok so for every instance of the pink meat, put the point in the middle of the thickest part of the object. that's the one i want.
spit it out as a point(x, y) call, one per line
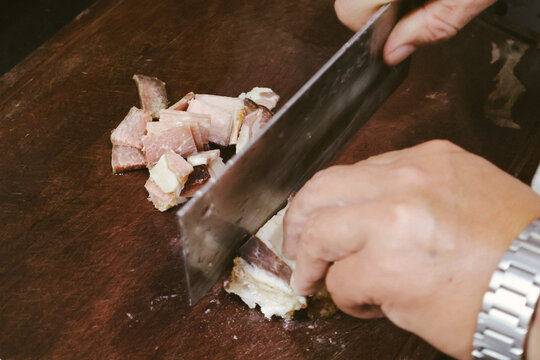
point(162, 136)
point(162, 200)
point(198, 123)
point(183, 103)
point(125, 158)
point(220, 123)
point(130, 131)
point(179, 166)
point(226, 103)
point(152, 94)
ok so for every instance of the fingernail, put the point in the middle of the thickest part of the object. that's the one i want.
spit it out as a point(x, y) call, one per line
point(399, 54)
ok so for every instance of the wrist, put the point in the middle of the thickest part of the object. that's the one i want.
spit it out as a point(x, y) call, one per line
point(505, 326)
point(532, 346)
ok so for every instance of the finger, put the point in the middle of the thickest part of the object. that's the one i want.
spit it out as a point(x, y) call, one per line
point(437, 20)
point(354, 14)
point(351, 286)
point(331, 235)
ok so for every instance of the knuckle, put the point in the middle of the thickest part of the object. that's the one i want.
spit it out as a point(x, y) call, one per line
point(440, 145)
point(439, 28)
point(412, 174)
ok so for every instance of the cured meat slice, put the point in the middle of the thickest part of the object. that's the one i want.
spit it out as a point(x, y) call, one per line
point(125, 158)
point(252, 125)
point(203, 158)
point(130, 131)
point(163, 136)
point(226, 103)
point(220, 121)
point(152, 94)
point(183, 103)
point(262, 96)
point(167, 179)
point(198, 123)
point(196, 180)
point(261, 276)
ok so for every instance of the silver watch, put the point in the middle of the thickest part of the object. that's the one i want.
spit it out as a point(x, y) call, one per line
point(509, 304)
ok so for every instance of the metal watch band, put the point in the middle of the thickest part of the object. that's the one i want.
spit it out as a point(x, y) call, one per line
point(509, 304)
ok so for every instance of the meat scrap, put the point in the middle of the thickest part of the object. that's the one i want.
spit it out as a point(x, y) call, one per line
point(167, 179)
point(262, 96)
point(130, 131)
point(193, 129)
point(152, 94)
point(183, 103)
point(261, 276)
point(163, 136)
point(125, 158)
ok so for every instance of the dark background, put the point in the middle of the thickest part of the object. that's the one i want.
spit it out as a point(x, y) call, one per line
point(26, 24)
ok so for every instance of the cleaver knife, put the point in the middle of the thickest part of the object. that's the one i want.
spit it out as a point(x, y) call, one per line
point(301, 138)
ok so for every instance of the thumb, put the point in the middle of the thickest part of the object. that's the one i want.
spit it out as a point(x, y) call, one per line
point(435, 21)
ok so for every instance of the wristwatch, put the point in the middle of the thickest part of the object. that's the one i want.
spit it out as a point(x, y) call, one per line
point(508, 306)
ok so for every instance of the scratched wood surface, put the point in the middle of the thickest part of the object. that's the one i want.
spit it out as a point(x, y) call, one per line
point(89, 269)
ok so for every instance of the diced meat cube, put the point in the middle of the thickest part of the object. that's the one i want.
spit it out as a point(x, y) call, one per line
point(263, 96)
point(198, 123)
point(161, 200)
point(226, 103)
point(183, 103)
point(130, 131)
point(203, 158)
point(126, 158)
point(252, 125)
point(168, 175)
point(220, 121)
point(152, 94)
point(162, 136)
point(216, 167)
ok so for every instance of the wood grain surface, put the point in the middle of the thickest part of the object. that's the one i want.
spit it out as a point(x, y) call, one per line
point(90, 270)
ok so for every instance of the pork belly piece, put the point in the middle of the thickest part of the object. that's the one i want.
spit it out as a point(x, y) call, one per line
point(252, 125)
point(216, 167)
point(132, 128)
point(203, 158)
point(163, 136)
point(198, 123)
point(195, 181)
point(167, 179)
point(152, 94)
point(226, 103)
point(126, 158)
point(262, 96)
point(261, 276)
point(183, 103)
point(220, 121)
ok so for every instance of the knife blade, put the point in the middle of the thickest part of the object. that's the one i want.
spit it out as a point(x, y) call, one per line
point(301, 138)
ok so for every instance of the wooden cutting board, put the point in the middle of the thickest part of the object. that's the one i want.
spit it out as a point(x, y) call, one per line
point(90, 270)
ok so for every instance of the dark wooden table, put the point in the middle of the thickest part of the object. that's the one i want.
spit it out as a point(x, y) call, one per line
point(90, 270)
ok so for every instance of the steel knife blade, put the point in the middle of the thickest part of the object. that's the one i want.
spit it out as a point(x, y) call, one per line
point(302, 138)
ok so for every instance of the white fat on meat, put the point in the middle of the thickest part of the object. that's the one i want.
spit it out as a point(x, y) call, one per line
point(238, 119)
point(257, 286)
point(152, 94)
point(262, 96)
point(167, 179)
point(203, 158)
point(216, 167)
point(125, 158)
point(131, 129)
point(163, 136)
point(252, 124)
